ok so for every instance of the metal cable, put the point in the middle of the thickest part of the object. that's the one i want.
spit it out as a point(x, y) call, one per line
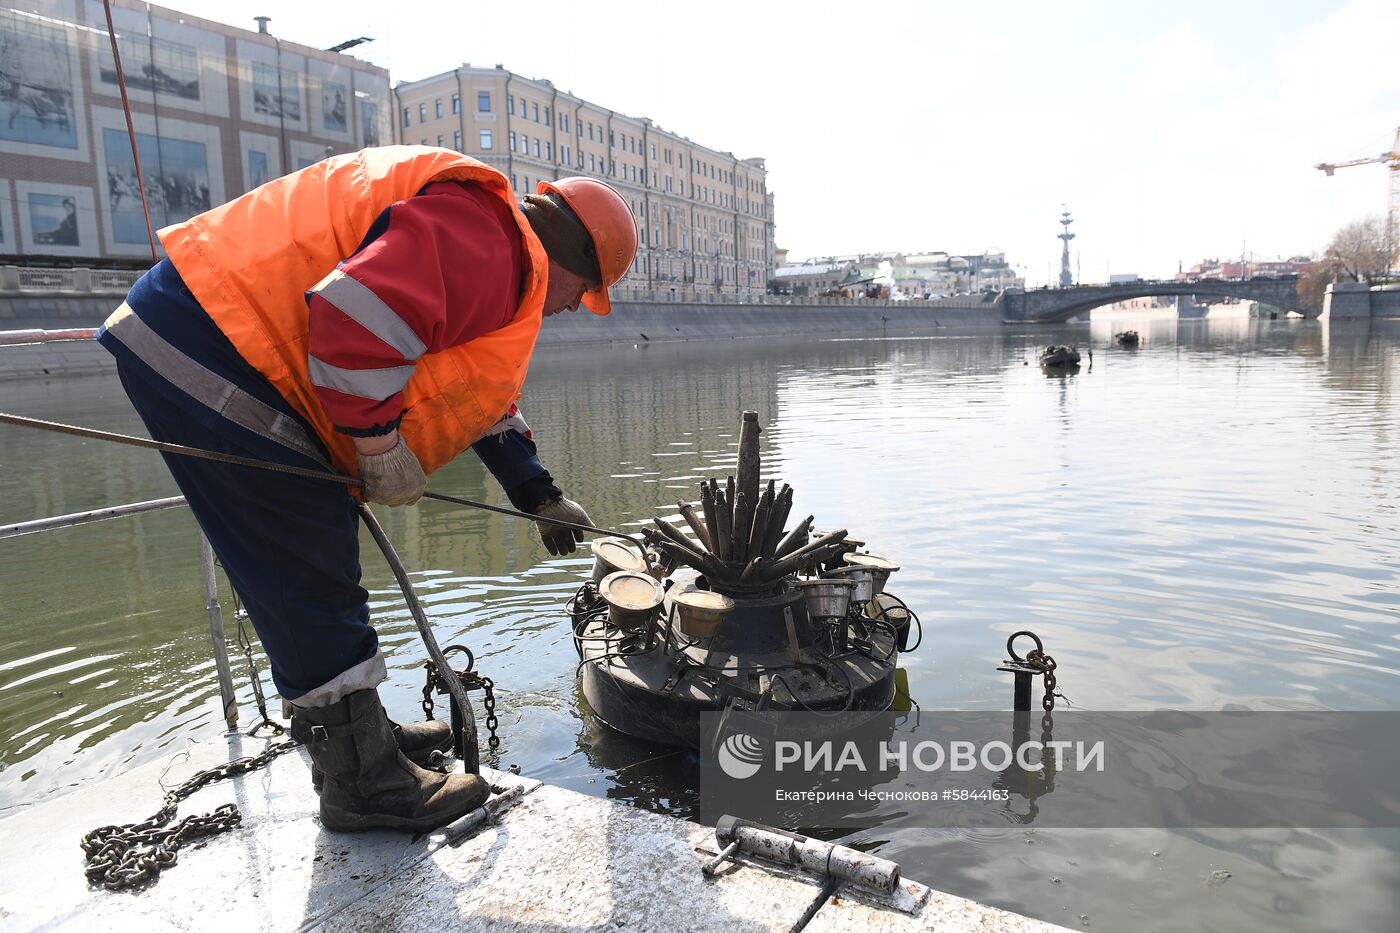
point(218, 457)
point(130, 127)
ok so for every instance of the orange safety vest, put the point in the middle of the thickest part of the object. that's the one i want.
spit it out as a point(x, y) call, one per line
point(251, 261)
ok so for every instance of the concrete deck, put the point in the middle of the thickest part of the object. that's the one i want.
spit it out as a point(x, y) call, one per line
point(556, 860)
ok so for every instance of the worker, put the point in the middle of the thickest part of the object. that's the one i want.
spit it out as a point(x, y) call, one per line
point(373, 315)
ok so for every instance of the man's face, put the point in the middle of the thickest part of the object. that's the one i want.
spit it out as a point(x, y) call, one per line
point(565, 290)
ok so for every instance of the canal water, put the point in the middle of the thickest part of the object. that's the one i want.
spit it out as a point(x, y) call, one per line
point(1207, 522)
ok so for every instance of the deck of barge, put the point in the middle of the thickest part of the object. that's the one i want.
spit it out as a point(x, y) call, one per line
point(556, 860)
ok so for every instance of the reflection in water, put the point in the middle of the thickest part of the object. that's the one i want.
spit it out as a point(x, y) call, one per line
point(1205, 522)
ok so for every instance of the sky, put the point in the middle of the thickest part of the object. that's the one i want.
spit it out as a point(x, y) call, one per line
point(1173, 132)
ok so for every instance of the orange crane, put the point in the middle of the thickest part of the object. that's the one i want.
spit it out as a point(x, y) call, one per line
point(1391, 158)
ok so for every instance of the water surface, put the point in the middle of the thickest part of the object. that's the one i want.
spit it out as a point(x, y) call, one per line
point(1207, 522)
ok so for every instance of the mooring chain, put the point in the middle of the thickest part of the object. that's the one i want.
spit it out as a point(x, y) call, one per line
point(245, 644)
point(471, 680)
point(1042, 662)
point(135, 854)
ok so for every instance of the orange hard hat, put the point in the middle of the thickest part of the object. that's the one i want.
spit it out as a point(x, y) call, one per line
point(609, 222)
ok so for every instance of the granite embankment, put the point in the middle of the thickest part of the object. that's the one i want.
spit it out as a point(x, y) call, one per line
point(629, 323)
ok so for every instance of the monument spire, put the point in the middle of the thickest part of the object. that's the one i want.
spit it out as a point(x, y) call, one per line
point(1066, 277)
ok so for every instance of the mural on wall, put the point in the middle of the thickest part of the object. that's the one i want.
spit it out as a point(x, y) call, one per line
point(36, 83)
point(257, 168)
point(333, 107)
point(272, 98)
point(53, 219)
point(156, 65)
point(177, 182)
point(369, 123)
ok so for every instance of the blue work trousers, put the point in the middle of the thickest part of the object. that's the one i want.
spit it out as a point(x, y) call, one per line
point(289, 545)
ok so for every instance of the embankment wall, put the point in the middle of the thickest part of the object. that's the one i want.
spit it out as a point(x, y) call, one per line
point(629, 323)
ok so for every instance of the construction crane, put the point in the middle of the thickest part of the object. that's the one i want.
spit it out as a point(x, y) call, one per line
point(1391, 158)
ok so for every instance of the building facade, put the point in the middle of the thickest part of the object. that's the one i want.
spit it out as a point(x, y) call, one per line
point(217, 111)
point(705, 217)
point(1244, 269)
point(904, 275)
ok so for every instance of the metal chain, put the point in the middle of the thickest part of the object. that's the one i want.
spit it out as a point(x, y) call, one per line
point(1046, 665)
point(135, 854)
point(488, 702)
point(245, 644)
point(471, 680)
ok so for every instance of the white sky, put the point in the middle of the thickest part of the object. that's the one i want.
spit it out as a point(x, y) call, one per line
point(1174, 132)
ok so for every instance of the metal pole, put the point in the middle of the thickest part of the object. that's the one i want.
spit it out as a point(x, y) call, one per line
point(216, 634)
point(1021, 693)
point(83, 518)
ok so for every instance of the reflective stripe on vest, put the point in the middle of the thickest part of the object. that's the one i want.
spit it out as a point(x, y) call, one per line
point(209, 388)
point(367, 309)
point(375, 384)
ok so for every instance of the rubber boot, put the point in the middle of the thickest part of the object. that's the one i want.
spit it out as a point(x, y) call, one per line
point(369, 784)
point(417, 740)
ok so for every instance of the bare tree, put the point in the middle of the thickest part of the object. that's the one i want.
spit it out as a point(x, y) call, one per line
point(1362, 250)
point(1313, 280)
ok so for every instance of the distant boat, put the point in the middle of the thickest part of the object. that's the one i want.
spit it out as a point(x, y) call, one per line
point(1059, 356)
point(1129, 338)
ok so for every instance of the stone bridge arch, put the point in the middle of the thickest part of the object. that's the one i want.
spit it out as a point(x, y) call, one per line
point(1054, 305)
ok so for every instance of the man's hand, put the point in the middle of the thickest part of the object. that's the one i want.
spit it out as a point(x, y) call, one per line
point(557, 538)
point(391, 472)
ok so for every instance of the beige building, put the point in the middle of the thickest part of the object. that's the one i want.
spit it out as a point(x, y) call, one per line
point(705, 216)
point(217, 110)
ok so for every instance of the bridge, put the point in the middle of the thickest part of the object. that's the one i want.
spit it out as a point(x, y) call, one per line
point(1053, 305)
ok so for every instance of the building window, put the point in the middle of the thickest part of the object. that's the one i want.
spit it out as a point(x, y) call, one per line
point(510, 108)
point(653, 152)
point(457, 140)
point(456, 103)
point(422, 113)
point(524, 112)
point(611, 140)
point(546, 115)
point(537, 147)
point(483, 101)
point(590, 130)
point(668, 183)
point(535, 108)
point(439, 141)
point(405, 116)
point(592, 165)
point(485, 139)
point(512, 140)
point(578, 128)
point(612, 166)
point(549, 151)
point(437, 109)
point(512, 177)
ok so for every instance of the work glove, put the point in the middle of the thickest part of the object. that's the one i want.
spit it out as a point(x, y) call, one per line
point(394, 477)
point(557, 538)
